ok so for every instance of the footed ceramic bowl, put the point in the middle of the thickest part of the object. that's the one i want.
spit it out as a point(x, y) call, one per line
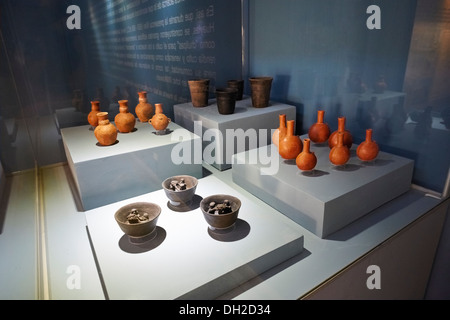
point(138, 220)
point(220, 211)
point(180, 189)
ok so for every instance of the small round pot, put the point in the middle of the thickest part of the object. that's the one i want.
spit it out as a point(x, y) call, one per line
point(220, 221)
point(178, 194)
point(141, 228)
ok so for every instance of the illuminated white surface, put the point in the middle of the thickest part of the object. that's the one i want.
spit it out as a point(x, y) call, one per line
point(135, 165)
point(329, 198)
point(245, 117)
point(187, 261)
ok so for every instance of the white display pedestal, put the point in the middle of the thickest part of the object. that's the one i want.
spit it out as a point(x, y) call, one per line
point(247, 128)
point(136, 164)
point(186, 260)
point(330, 197)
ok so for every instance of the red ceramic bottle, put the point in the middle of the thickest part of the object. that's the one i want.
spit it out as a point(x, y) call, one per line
point(348, 138)
point(291, 145)
point(306, 160)
point(340, 153)
point(280, 132)
point(368, 149)
point(319, 132)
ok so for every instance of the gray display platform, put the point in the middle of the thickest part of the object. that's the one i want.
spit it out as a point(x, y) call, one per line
point(247, 128)
point(135, 165)
point(330, 197)
point(186, 260)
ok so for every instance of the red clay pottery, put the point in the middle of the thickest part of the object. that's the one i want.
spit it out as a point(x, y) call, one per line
point(144, 110)
point(159, 121)
point(340, 153)
point(368, 149)
point(105, 132)
point(319, 132)
point(92, 116)
point(290, 145)
point(348, 138)
point(280, 132)
point(124, 120)
point(306, 160)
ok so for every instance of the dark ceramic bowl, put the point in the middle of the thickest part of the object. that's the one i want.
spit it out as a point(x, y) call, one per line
point(180, 197)
point(142, 228)
point(220, 221)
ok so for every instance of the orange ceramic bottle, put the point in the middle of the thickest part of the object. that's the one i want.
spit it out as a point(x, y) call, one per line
point(368, 149)
point(290, 145)
point(159, 121)
point(348, 139)
point(92, 116)
point(306, 160)
point(144, 110)
point(319, 132)
point(340, 153)
point(124, 120)
point(105, 132)
point(280, 132)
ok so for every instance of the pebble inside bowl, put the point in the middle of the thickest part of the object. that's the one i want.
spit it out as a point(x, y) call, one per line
point(180, 189)
point(220, 211)
point(138, 219)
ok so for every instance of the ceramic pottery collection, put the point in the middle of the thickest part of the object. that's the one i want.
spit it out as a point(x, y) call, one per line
point(124, 120)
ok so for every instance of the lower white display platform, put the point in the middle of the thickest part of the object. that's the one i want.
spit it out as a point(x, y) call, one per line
point(186, 260)
point(330, 197)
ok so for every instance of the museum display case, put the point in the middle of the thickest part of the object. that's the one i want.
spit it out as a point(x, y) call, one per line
point(332, 164)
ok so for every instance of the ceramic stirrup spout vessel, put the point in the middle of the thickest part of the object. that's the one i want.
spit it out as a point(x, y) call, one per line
point(144, 110)
point(159, 121)
point(319, 132)
point(105, 132)
point(348, 138)
point(368, 149)
point(291, 145)
point(124, 120)
point(306, 160)
point(280, 132)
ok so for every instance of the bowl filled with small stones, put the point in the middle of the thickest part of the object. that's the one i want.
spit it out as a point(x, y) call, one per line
point(138, 220)
point(180, 189)
point(220, 211)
